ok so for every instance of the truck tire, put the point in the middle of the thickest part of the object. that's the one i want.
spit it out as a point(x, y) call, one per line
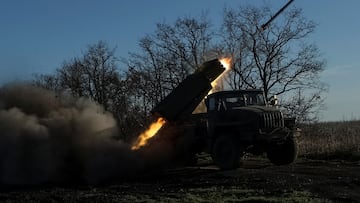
point(283, 154)
point(226, 153)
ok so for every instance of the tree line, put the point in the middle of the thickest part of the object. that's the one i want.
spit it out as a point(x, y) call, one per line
point(278, 60)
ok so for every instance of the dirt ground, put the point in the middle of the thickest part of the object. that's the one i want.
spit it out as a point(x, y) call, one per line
point(256, 181)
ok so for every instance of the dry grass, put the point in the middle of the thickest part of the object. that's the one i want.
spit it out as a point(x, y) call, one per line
point(331, 140)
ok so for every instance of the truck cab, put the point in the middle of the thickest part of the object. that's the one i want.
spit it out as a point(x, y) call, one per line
point(235, 99)
point(241, 121)
point(245, 111)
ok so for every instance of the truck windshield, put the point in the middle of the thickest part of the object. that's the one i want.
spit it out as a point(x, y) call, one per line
point(254, 99)
point(246, 99)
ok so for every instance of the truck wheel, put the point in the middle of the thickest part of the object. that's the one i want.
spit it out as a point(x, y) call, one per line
point(283, 154)
point(226, 153)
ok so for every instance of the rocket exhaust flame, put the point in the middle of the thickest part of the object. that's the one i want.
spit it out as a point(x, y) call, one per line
point(217, 83)
point(149, 133)
point(226, 62)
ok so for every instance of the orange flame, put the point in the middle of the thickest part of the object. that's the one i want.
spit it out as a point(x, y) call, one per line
point(149, 133)
point(226, 62)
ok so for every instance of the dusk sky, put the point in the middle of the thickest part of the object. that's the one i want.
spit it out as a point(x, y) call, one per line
point(38, 36)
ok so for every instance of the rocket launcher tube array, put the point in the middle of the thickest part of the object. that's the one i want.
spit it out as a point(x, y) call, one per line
point(183, 100)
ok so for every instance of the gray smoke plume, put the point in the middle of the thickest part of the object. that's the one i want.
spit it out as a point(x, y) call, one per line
point(51, 138)
point(46, 137)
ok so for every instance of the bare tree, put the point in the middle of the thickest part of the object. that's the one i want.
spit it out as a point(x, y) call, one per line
point(304, 108)
point(72, 78)
point(167, 57)
point(46, 81)
point(95, 75)
point(278, 59)
point(100, 70)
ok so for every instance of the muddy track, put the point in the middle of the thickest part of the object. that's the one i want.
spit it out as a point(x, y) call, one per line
point(257, 180)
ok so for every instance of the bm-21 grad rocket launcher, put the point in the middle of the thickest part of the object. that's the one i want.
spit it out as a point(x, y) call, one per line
point(183, 100)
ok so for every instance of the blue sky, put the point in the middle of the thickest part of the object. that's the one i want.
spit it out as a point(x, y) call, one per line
point(37, 36)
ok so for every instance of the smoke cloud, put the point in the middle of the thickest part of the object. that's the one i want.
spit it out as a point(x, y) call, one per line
point(49, 138)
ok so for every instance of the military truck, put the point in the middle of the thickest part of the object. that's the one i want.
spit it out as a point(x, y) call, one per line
point(235, 122)
point(239, 122)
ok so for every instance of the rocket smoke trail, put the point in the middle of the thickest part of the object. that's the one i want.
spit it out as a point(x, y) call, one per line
point(46, 137)
point(55, 138)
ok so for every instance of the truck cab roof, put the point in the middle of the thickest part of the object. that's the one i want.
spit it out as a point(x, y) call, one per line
point(234, 99)
point(226, 93)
